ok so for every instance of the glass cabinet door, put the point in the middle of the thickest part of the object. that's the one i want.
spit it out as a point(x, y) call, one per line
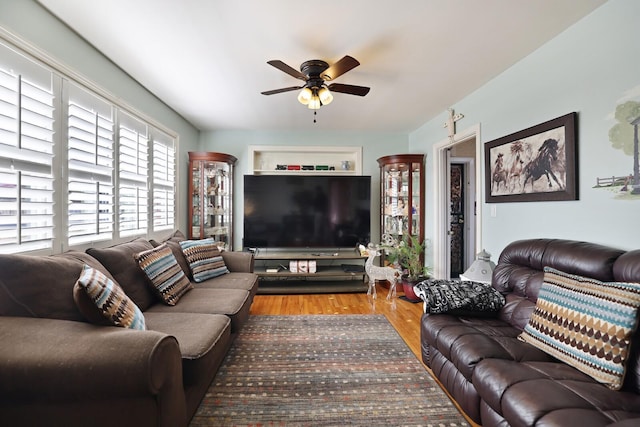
point(211, 192)
point(402, 195)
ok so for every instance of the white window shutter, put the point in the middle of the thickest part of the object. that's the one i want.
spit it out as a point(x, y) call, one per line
point(90, 165)
point(26, 147)
point(164, 172)
point(133, 175)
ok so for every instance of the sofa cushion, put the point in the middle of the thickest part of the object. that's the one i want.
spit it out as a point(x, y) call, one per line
point(176, 236)
point(109, 299)
point(466, 340)
point(549, 393)
point(164, 273)
point(234, 303)
point(204, 258)
point(245, 281)
point(203, 348)
point(42, 286)
point(119, 261)
point(585, 323)
point(182, 261)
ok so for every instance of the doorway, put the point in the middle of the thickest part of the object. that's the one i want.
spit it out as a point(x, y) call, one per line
point(458, 219)
point(457, 212)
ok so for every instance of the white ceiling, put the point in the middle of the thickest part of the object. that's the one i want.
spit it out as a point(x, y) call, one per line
point(207, 59)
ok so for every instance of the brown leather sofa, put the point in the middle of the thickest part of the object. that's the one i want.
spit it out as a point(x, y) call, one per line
point(499, 380)
point(57, 369)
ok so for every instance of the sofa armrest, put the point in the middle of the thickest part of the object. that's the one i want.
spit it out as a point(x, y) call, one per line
point(48, 360)
point(238, 262)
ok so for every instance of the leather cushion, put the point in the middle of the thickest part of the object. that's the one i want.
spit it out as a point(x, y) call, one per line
point(541, 393)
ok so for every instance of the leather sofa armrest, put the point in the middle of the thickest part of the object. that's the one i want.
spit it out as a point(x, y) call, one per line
point(48, 360)
point(238, 262)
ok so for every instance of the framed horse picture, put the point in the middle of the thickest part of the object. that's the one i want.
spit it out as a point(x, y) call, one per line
point(533, 165)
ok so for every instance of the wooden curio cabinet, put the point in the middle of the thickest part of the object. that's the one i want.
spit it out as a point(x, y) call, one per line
point(402, 195)
point(211, 197)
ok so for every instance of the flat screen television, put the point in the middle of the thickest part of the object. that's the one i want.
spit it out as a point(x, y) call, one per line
point(306, 211)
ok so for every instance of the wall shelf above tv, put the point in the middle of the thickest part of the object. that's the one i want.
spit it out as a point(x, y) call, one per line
point(264, 160)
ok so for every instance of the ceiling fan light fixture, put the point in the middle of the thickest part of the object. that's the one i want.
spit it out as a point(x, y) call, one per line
point(305, 96)
point(314, 103)
point(325, 95)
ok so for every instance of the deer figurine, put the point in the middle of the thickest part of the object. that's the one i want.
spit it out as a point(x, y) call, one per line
point(374, 272)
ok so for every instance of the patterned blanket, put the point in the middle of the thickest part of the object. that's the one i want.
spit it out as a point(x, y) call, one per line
point(442, 296)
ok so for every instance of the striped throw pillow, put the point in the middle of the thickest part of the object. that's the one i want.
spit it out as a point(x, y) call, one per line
point(585, 323)
point(110, 299)
point(164, 273)
point(204, 258)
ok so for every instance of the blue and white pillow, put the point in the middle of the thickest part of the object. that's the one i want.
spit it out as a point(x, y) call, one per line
point(110, 299)
point(585, 323)
point(204, 258)
point(164, 273)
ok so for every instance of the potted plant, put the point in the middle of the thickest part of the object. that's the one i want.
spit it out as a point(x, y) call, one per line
point(407, 254)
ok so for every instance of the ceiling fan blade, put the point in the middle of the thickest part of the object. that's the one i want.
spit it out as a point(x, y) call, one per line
point(287, 69)
point(350, 89)
point(284, 89)
point(339, 68)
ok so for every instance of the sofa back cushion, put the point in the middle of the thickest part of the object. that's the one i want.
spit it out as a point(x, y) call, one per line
point(120, 262)
point(42, 286)
point(519, 274)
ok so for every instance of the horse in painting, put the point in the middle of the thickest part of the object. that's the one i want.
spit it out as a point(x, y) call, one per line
point(541, 164)
point(499, 174)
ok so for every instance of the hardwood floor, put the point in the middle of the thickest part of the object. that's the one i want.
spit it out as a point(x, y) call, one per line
point(403, 315)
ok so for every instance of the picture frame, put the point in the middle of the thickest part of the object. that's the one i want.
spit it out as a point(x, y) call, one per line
point(533, 165)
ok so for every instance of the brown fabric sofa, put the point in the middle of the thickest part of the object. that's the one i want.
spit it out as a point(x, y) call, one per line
point(499, 380)
point(57, 369)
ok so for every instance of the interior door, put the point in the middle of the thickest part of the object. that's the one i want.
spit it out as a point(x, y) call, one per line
point(457, 215)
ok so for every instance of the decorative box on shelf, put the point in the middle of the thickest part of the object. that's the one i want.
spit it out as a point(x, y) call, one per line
point(302, 266)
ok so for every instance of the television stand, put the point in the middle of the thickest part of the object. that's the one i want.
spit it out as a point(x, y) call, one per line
point(337, 270)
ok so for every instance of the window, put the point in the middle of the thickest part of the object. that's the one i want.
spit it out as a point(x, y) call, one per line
point(76, 166)
point(163, 181)
point(90, 165)
point(133, 175)
point(26, 153)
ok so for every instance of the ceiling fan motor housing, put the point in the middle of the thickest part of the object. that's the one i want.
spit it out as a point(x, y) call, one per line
point(312, 69)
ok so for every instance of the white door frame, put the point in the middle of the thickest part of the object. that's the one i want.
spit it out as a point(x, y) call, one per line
point(441, 254)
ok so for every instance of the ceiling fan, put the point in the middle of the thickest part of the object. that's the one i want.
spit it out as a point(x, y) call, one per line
point(315, 73)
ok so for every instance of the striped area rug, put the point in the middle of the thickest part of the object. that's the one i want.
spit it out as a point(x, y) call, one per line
point(324, 370)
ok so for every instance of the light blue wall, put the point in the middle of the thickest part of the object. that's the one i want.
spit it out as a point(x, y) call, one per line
point(374, 145)
point(35, 25)
point(588, 69)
